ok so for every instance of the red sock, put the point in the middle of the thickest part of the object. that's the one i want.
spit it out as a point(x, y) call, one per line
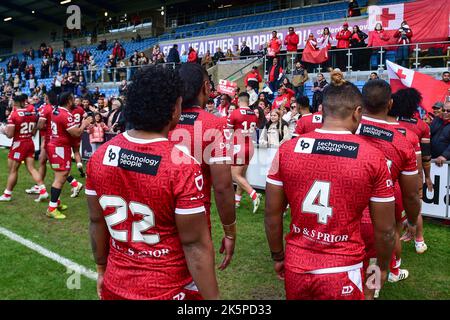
point(395, 265)
point(7, 193)
point(74, 183)
point(253, 195)
point(52, 206)
point(42, 191)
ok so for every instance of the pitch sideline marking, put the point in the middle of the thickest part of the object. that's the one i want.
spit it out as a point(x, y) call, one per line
point(49, 254)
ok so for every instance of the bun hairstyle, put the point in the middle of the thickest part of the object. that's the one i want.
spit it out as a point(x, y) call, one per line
point(337, 77)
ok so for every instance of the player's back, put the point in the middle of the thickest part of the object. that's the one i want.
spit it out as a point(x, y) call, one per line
point(242, 120)
point(202, 134)
point(45, 112)
point(308, 123)
point(418, 126)
point(410, 135)
point(155, 181)
point(328, 178)
point(24, 120)
point(78, 114)
point(398, 151)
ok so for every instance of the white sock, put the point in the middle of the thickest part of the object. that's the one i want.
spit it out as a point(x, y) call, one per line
point(79, 165)
point(7, 192)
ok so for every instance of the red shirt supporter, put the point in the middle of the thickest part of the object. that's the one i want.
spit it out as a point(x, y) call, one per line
point(283, 99)
point(275, 71)
point(325, 238)
point(201, 134)
point(378, 38)
point(24, 120)
point(291, 41)
point(160, 190)
point(308, 122)
point(343, 37)
point(252, 76)
point(274, 46)
point(243, 121)
point(192, 57)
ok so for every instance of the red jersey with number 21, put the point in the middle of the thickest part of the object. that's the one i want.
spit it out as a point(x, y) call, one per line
point(329, 178)
point(141, 190)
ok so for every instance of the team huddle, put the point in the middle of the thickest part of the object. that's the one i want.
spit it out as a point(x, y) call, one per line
point(352, 180)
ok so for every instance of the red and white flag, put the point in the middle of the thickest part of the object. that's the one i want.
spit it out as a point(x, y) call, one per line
point(227, 87)
point(428, 19)
point(432, 90)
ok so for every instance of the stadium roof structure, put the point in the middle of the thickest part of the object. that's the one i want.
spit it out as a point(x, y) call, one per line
point(32, 15)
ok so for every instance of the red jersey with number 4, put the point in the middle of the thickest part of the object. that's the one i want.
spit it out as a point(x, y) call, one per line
point(202, 136)
point(24, 120)
point(45, 112)
point(308, 123)
point(141, 190)
point(329, 178)
point(61, 122)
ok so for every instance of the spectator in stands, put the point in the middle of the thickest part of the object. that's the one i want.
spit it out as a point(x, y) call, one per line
point(343, 37)
point(353, 9)
point(273, 50)
point(184, 57)
point(123, 88)
point(17, 81)
point(92, 70)
point(237, 52)
point(143, 60)
point(229, 55)
point(253, 79)
point(324, 41)
point(357, 40)
point(245, 50)
point(224, 105)
point(57, 83)
point(275, 75)
point(97, 132)
point(262, 51)
point(155, 53)
point(318, 87)
point(113, 117)
point(174, 56)
point(440, 136)
point(378, 39)
point(211, 108)
point(110, 67)
point(283, 98)
point(160, 59)
point(300, 77)
point(207, 61)
point(32, 83)
point(291, 42)
point(446, 77)
point(192, 56)
point(118, 51)
point(218, 55)
point(292, 116)
point(404, 35)
point(374, 76)
point(253, 96)
point(437, 110)
point(275, 132)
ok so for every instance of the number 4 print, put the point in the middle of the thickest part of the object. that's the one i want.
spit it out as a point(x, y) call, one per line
point(320, 190)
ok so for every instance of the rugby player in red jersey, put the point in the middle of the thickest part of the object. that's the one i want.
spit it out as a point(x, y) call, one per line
point(21, 128)
point(59, 152)
point(78, 114)
point(45, 114)
point(148, 227)
point(201, 134)
point(329, 177)
point(242, 122)
point(400, 155)
point(405, 109)
point(309, 122)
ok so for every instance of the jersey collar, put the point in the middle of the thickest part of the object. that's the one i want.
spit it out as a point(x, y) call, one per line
point(332, 131)
point(142, 141)
point(374, 120)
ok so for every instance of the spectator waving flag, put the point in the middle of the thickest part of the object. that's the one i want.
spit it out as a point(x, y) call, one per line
point(428, 19)
point(432, 90)
point(227, 87)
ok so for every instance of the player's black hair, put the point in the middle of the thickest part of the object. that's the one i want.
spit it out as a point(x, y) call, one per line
point(52, 98)
point(376, 95)
point(340, 101)
point(151, 98)
point(406, 102)
point(193, 76)
point(64, 98)
point(244, 96)
point(303, 102)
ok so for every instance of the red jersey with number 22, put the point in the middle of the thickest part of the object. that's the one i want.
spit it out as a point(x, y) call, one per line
point(141, 190)
point(329, 178)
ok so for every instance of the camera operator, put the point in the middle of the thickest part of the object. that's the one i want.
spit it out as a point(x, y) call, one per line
point(404, 35)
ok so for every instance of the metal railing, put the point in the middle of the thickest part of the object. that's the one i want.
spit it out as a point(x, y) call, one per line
point(374, 58)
